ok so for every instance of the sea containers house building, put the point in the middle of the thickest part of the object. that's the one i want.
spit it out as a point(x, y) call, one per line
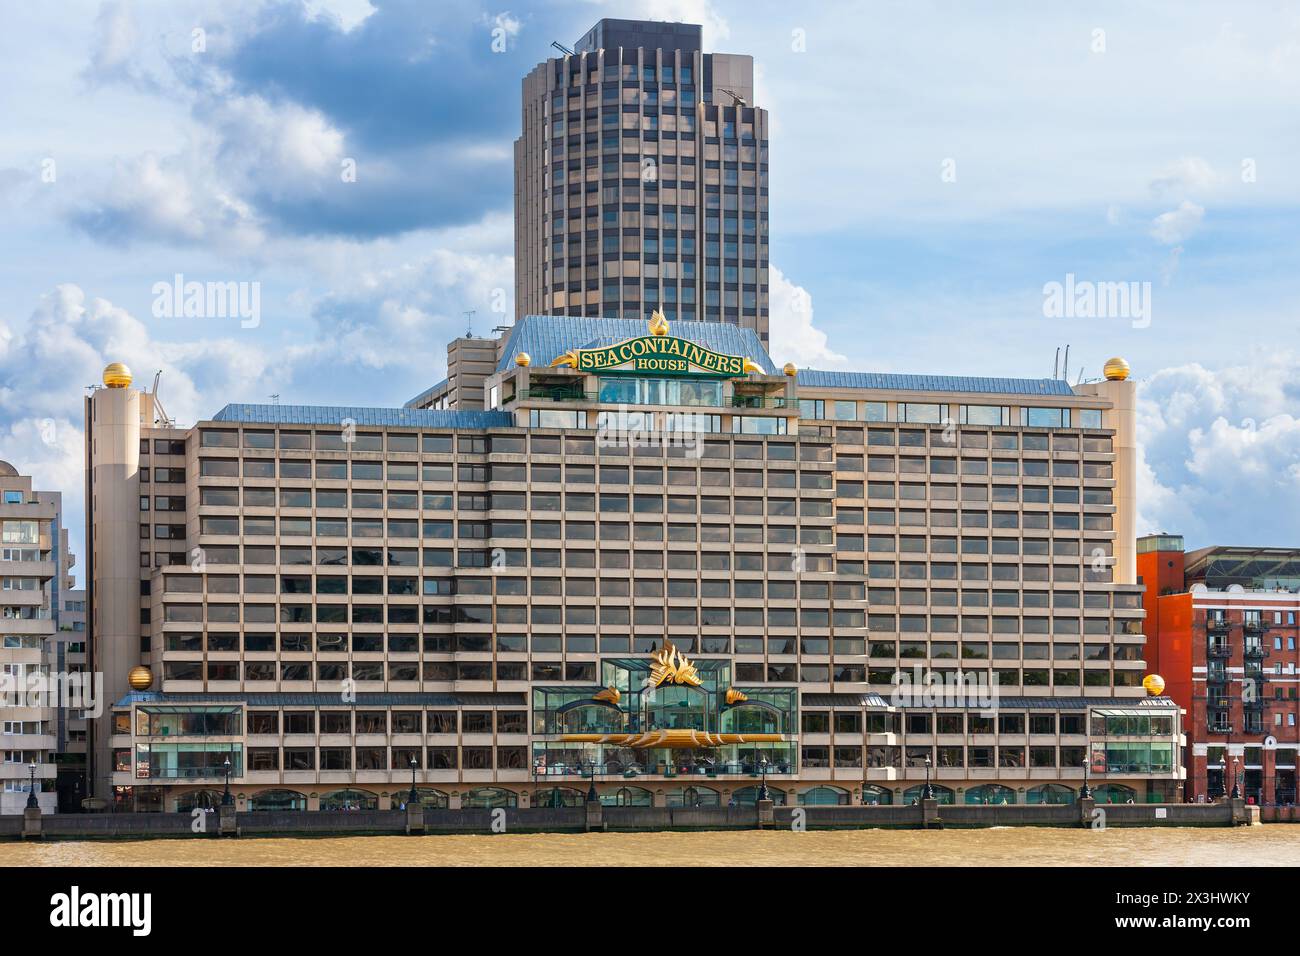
point(655, 564)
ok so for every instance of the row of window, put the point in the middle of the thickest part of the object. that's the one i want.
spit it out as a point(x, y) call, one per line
point(504, 528)
point(705, 616)
point(359, 470)
point(1003, 650)
point(227, 722)
point(477, 444)
point(928, 413)
point(1008, 624)
point(783, 562)
point(944, 597)
point(570, 445)
point(150, 762)
point(364, 642)
point(517, 586)
point(650, 530)
point(1117, 758)
point(485, 671)
point(1088, 571)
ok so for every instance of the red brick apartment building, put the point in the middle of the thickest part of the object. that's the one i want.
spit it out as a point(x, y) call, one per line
point(1221, 628)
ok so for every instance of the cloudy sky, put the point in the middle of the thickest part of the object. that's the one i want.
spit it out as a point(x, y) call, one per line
point(934, 166)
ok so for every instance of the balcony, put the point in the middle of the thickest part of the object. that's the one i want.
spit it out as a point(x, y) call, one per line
point(1221, 651)
point(759, 401)
point(1217, 625)
point(1216, 674)
point(557, 393)
point(1255, 652)
point(1218, 727)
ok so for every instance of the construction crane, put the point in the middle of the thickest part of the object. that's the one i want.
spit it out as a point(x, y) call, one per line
point(562, 48)
point(736, 98)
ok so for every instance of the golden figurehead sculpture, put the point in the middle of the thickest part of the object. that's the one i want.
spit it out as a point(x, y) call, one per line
point(658, 324)
point(672, 667)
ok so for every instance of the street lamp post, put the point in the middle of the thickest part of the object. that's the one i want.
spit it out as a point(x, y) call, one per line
point(1086, 793)
point(762, 787)
point(1236, 778)
point(928, 792)
point(226, 799)
point(32, 802)
point(1223, 770)
point(592, 795)
point(414, 797)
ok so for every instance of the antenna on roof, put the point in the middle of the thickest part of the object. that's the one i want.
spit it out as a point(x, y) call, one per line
point(160, 413)
point(275, 399)
point(469, 323)
point(1056, 366)
point(562, 48)
point(1065, 372)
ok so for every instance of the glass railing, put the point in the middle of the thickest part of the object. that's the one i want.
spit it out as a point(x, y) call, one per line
point(759, 401)
point(557, 394)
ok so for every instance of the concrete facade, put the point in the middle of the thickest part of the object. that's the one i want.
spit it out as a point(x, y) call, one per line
point(641, 181)
point(350, 590)
point(35, 580)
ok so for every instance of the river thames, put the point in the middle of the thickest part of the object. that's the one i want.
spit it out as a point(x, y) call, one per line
point(1269, 845)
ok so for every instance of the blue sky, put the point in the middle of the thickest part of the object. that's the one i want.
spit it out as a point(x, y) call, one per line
point(933, 166)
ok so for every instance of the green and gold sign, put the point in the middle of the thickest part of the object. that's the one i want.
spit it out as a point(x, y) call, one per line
point(657, 354)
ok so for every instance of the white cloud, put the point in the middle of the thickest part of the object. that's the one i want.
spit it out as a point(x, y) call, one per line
point(714, 25)
point(276, 147)
point(1222, 450)
point(793, 337)
point(348, 14)
point(1191, 174)
point(174, 199)
point(113, 40)
point(1177, 225)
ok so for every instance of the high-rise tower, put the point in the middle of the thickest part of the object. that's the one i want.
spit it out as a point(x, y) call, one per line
point(641, 181)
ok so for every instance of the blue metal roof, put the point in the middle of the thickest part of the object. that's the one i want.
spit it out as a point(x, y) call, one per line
point(544, 337)
point(427, 394)
point(335, 414)
point(815, 378)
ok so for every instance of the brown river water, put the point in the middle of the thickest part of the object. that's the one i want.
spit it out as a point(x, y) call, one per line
point(1269, 845)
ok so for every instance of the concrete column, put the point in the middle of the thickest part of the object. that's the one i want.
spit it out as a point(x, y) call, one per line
point(1242, 814)
point(1086, 807)
point(114, 519)
point(766, 814)
point(414, 818)
point(31, 823)
point(226, 821)
point(930, 815)
point(595, 815)
point(453, 801)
